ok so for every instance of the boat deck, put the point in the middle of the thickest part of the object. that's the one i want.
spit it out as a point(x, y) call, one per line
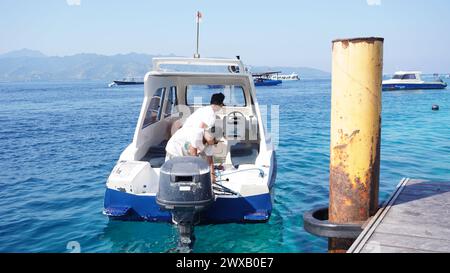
point(415, 219)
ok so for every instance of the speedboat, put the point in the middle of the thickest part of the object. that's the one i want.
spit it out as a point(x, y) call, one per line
point(128, 81)
point(411, 80)
point(264, 79)
point(266, 82)
point(144, 187)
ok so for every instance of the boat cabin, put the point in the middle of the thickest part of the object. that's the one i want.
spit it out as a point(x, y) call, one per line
point(411, 80)
point(244, 158)
point(407, 76)
point(171, 96)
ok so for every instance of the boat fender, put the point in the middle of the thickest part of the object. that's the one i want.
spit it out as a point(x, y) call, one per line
point(316, 222)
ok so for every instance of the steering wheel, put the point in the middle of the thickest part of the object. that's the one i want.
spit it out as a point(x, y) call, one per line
point(233, 119)
point(235, 116)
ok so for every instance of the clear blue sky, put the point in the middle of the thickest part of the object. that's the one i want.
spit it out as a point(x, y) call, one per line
point(282, 32)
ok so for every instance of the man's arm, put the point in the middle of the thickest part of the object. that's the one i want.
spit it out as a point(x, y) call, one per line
point(211, 167)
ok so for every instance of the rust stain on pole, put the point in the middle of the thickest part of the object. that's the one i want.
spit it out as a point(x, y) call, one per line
point(355, 131)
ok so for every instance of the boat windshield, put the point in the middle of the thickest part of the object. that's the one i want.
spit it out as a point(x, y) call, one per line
point(404, 77)
point(409, 77)
point(201, 94)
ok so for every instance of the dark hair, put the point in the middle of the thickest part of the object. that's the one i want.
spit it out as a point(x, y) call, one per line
point(217, 99)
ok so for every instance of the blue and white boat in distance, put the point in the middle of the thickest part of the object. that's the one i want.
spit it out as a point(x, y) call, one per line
point(266, 82)
point(244, 158)
point(264, 78)
point(411, 80)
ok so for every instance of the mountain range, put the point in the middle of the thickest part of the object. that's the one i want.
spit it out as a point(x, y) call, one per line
point(32, 65)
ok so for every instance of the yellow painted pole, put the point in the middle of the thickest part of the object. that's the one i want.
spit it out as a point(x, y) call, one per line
point(355, 132)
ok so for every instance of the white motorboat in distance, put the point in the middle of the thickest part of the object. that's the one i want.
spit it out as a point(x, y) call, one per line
point(411, 80)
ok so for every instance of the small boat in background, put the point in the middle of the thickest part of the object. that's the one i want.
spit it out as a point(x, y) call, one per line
point(266, 82)
point(411, 80)
point(264, 79)
point(128, 81)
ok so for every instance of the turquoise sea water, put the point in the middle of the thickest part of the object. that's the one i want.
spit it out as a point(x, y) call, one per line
point(59, 142)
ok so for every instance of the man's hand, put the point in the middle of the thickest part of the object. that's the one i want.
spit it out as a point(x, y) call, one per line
point(193, 151)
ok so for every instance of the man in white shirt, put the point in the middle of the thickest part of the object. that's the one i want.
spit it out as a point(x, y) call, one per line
point(192, 139)
point(205, 117)
point(188, 142)
point(192, 142)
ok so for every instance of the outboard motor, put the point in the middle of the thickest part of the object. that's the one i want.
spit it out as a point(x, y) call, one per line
point(185, 189)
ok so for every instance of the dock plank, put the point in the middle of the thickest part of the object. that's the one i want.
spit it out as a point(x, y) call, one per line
point(415, 219)
point(409, 242)
point(420, 230)
point(375, 248)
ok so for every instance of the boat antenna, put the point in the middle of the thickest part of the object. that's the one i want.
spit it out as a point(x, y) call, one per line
point(198, 19)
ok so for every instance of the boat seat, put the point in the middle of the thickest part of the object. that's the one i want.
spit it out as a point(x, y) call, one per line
point(156, 155)
point(240, 153)
point(244, 153)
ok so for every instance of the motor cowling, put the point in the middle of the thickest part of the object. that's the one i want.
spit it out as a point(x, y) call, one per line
point(185, 182)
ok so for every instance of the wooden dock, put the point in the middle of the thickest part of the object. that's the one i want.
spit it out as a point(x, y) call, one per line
point(415, 219)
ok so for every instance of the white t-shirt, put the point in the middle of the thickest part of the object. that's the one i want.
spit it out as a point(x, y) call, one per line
point(205, 114)
point(178, 144)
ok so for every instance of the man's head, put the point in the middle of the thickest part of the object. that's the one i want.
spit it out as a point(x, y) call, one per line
point(217, 100)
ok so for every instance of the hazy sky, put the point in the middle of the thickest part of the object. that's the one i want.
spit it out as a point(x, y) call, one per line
point(282, 32)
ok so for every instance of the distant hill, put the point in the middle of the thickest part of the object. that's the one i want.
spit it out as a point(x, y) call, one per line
point(31, 65)
point(23, 53)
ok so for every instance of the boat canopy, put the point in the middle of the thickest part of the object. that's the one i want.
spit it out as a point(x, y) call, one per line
point(231, 65)
point(407, 72)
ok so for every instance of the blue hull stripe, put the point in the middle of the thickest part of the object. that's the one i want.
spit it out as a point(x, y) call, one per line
point(267, 82)
point(223, 210)
point(413, 86)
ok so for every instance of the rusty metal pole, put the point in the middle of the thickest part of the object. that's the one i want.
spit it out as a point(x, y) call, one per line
point(355, 133)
